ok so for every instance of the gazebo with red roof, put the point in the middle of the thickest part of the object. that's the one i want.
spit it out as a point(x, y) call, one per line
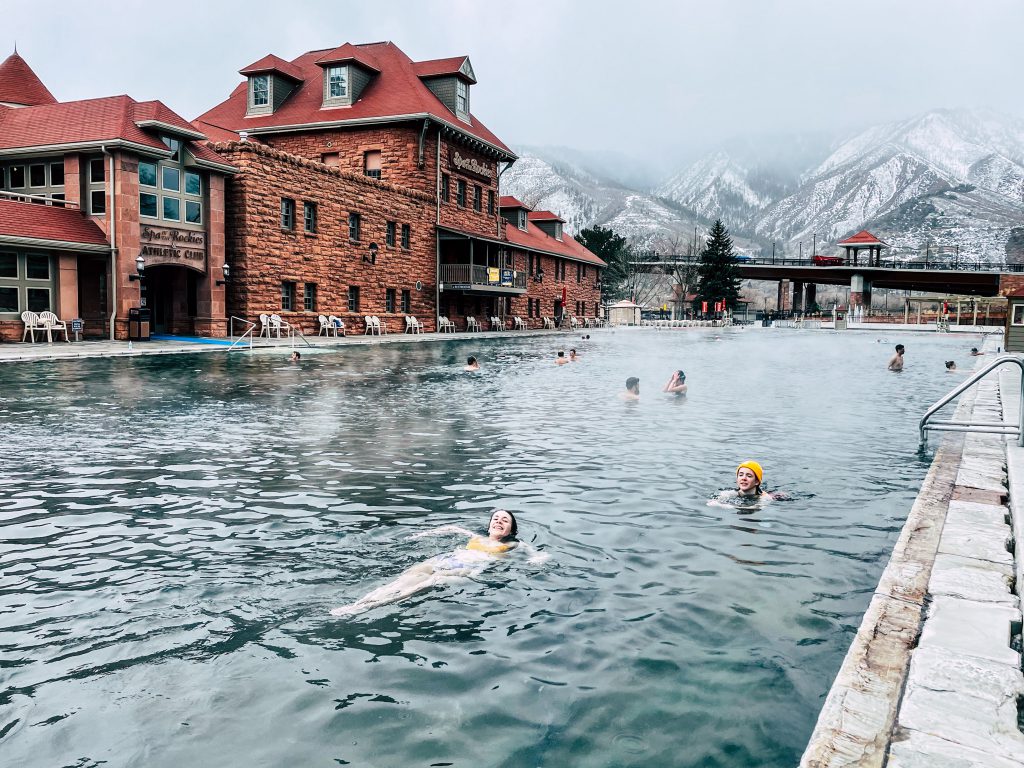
point(860, 241)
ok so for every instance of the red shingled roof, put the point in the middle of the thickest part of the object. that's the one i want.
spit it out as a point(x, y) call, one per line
point(507, 201)
point(440, 67)
point(44, 222)
point(94, 121)
point(862, 238)
point(535, 239)
point(397, 92)
point(544, 216)
point(349, 52)
point(272, 63)
point(20, 85)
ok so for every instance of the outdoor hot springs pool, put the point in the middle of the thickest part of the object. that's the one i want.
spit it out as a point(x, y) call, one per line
point(174, 531)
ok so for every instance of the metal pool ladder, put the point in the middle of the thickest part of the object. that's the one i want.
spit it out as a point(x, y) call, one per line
point(997, 427)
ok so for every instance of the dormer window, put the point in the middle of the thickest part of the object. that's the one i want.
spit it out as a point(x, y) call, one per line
point(558, 230)
point(522, 219)
point(260, 85)
point(461, 97)
point(337, 82)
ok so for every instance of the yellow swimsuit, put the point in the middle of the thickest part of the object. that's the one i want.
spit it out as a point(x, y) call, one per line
point(490, 546)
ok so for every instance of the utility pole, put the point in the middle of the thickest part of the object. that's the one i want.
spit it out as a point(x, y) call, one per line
point(801, 250)
point(814, 245)
point(773, 251)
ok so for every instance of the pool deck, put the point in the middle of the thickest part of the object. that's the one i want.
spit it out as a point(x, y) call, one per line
point(62, 350)
point(933, 675)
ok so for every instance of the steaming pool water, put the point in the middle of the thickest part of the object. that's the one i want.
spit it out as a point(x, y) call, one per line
point(174, 531)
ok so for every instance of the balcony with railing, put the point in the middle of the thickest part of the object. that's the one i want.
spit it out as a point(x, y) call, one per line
point(476, 277)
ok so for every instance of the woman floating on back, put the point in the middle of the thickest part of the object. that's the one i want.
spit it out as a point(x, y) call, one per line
point(479, 552)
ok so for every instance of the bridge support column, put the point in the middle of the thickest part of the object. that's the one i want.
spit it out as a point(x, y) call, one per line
point(780, 299)
point(810, 296)
point(798, 296)
point(860, 292)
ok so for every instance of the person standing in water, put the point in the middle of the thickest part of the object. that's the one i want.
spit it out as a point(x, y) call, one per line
point(896, 362)
point(472, 364)
point(632, 392)
point(676, 385)
point(469, 561)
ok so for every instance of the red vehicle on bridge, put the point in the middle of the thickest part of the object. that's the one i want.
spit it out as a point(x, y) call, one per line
point(827, 261)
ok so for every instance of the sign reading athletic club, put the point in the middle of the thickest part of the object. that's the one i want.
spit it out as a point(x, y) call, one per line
point(178, 247)
point(469, 165)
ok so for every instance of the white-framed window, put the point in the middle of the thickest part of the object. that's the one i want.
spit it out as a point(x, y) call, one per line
point(170, 178)
point(260, 90)
point(1018, 315)
point(337, 82)
point(169, 190)
point(172, 209)
point(148, 203)
point(372, 164)
point(17, 177)
point(522, 219)
point(461, 97)
point(147, 174)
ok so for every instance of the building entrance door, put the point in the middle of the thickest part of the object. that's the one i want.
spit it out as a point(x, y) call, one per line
point(170, 294)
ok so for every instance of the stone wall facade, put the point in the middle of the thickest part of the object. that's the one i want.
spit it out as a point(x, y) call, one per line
point(264, 255)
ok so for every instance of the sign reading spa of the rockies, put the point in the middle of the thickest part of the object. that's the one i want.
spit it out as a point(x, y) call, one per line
point(468, 165)
point(177, 247)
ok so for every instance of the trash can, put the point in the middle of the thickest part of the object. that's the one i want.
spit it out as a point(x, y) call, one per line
point(138, 324)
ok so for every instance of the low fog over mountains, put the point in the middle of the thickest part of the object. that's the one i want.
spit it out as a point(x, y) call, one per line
point(946, 182)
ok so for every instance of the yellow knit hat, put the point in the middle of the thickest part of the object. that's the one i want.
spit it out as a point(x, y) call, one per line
point(754, 467)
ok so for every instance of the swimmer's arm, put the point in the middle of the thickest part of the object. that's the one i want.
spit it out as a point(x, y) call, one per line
point(442, 530)
point(534, 556)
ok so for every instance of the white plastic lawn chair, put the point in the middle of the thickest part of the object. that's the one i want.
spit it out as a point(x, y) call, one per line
point(32, 324)
point(53, 323)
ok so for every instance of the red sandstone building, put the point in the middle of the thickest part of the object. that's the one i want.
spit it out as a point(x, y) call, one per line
point(351, 181)
point(366, 186)
point(86, 189)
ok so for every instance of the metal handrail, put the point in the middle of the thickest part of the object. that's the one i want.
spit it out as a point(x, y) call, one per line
point(293, 332)
point(240, 339)
point(996, 427)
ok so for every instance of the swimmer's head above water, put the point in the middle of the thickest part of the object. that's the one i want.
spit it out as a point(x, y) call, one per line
point(748, 478)
point(502, 525)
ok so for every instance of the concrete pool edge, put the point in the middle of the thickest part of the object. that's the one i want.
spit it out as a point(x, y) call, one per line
point(25, 353)
point(930, 678)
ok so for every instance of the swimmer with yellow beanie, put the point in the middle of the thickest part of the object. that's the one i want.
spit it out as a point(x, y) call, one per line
point(748, 479)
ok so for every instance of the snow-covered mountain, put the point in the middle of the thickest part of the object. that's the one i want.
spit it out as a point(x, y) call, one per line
point(544, 181)
point(718, 186)
point(947, 180)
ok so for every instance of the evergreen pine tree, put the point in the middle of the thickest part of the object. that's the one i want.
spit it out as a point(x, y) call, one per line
point(611, 247)
point(718, 274)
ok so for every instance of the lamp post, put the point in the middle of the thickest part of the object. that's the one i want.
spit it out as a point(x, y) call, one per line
point(140, 268)
point(371, 257)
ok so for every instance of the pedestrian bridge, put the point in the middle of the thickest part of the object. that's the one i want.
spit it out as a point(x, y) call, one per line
point(933, 277)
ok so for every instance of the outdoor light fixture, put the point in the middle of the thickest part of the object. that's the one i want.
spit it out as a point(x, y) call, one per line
point(227, 273)
point(140, 268)
point(371, 257)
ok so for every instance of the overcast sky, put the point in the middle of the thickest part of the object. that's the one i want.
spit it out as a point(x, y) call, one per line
point(665, 78)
